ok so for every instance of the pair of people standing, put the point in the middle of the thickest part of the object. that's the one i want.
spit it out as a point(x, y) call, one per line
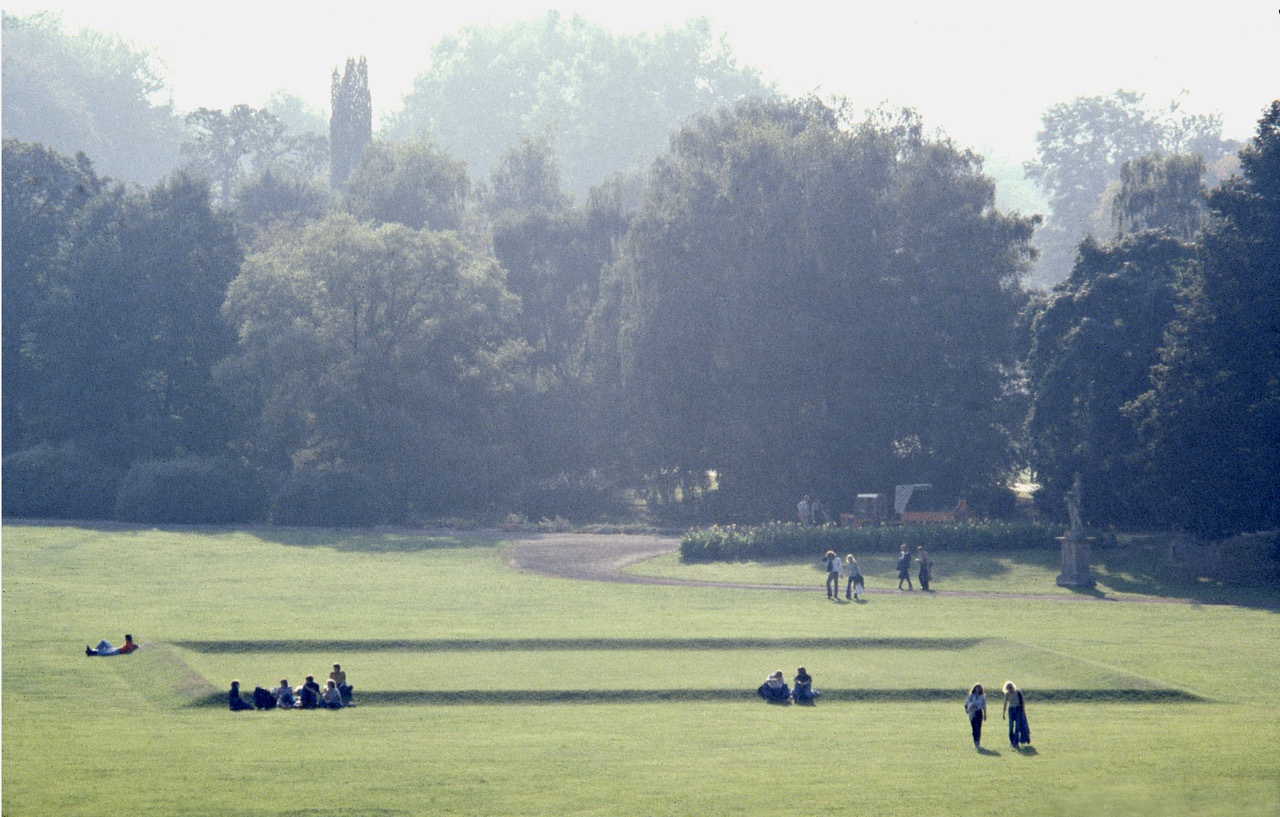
point(904, 567)
point(846, 571)
point(1014, 709)
point(811, 512)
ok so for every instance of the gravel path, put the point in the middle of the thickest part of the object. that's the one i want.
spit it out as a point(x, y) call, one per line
point(602, 558)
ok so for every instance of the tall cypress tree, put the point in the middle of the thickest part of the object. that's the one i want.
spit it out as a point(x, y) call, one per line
point(351, 123)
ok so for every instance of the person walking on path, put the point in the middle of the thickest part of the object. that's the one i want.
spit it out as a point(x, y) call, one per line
point(854, 577)
point(926, 567)
point(832, 563)
point(1015, 707)
point(975, 706)
point(904, 567)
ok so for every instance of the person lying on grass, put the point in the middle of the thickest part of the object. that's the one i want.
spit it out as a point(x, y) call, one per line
point(104, 647)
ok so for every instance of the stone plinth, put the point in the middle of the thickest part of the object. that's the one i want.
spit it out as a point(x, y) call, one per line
point(1076, 571)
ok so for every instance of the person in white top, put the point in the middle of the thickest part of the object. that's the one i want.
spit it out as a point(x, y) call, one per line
point(805, 511)
point(834, 567)
point(284, 694)
point(774, 688)
point(975, 706)
point(331, 698)
point(853, 576)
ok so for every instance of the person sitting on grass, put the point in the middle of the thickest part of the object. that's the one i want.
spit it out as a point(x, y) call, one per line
point(284, 695)
point(104, 647)
point(237, 703)
point(774, 688)
point(803, 692)
point(331, 698)
point(339, 678)
point(263, 699)
point(308, 694)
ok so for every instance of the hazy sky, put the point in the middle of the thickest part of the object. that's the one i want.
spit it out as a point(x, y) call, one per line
point(983, 71)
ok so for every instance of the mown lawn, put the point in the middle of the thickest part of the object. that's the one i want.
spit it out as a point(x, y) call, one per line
point(485, 691)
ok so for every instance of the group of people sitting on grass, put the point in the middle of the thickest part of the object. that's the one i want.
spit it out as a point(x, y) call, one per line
point(775, 689)
point(334, 695)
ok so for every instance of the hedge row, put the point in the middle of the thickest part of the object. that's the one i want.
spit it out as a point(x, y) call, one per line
point(47, 482)
point(789, 540)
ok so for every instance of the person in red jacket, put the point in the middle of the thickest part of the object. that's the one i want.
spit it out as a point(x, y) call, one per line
point(104, 647)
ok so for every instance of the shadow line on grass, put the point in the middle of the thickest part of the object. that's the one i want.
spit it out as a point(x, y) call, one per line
point(569, 644)
point(524, 697)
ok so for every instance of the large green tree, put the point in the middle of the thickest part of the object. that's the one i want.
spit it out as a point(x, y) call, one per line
point(382, 352)
point(88, 92)
point(351, 120)
point(1080, 149)
point(806, 302)
point(1212, 414)
point(554, 254)
point(227, 146)
point(413, 183)
point(122, 343)
point(43, 192)
point(1160, 193)
point(1093, 343)
point(609, 100)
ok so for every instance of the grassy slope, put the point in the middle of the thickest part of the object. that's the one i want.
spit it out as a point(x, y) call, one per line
point(121, 735)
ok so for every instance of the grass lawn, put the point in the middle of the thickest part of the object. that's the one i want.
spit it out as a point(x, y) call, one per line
point(483, 691)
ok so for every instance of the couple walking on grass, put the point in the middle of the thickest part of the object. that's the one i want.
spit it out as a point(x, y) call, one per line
point(1014, 710)
point(904, 567)
point(846, 571)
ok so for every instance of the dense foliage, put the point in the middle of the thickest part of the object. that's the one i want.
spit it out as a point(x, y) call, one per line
point(1154, 366)
point(1081, 149)
point(609, 100)
point(90, 92)
point(790, 541)
point(1093, 343)
point(810, 304)
point(792, 299)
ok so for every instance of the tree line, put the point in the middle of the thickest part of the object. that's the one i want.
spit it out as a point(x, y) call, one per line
point(799, 301)
point(791, 298)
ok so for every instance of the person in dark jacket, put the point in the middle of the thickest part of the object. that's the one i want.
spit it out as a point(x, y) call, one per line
point(774, 689)
point(234, 700)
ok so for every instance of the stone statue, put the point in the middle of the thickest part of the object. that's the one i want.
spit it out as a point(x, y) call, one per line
point(1072, 498)
point(1076, 571)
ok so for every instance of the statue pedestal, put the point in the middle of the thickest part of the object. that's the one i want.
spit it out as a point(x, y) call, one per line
point(1075, 562)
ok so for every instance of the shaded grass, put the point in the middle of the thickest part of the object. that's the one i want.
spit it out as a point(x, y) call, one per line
point(524, 697)
point(573, 644)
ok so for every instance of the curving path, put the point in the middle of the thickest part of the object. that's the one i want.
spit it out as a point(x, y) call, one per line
point(602, 558)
